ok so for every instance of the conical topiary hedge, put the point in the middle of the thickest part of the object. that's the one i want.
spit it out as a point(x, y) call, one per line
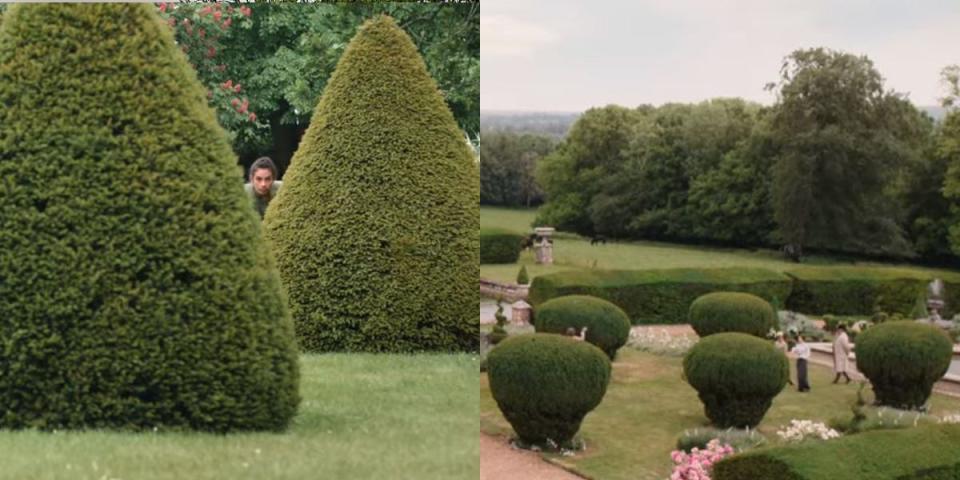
point(135, 288)
point(376, 228)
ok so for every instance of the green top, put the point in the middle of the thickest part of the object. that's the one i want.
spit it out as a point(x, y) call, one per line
point(260, 203)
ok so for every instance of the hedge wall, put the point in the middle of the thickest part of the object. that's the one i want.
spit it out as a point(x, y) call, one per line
point(925, 452)
point(857, 290)
point(658, 296)
point(376, 228)
point(499, 246)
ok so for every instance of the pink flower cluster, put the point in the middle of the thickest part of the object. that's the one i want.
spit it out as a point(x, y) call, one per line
point(698, 464)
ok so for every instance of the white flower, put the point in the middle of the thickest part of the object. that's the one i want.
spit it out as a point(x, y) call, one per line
point(800, 430)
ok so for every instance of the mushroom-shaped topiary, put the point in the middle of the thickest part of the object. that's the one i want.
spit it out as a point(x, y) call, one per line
point(903, 360)
point(545, 384)
point(135, 288)
point(720, 312)
point(736, 377)
point(376, 228)
point(608, 327)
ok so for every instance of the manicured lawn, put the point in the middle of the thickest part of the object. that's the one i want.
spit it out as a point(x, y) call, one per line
point(572, 252)
point(648, 405)
point(362, 416)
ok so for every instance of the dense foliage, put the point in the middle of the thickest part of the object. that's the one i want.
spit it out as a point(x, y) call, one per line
point(658, 296)
point(545, 384)
point(720, 312)
point(903, 360)
point(851, 168)
point(137, 290)
point(736, 377)
point(507, 164)
point(607, 325)
point(283, 55)
point(376, 228)
point(498, 245)
point(926, 452)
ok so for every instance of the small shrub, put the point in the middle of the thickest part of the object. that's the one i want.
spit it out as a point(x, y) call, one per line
point(607, 325)
point(545, 384)
point(903, 360)
point(740, 440)
point(736, 377)
point(499, 246)
point(522, 277)
point(720, 312)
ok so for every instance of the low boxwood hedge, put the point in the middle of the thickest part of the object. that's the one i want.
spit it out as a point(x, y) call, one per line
point(860, 290)
point(658, 296)
point(607, 325)
point(926, 452)
point(720, 312)
point(499, 246)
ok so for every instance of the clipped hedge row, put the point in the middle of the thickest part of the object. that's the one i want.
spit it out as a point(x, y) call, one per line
point(658, 296)
point(499, 245)
point(926, 452)
point(859, 290)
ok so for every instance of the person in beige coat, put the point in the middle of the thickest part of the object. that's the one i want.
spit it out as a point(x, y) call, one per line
point(841, 350)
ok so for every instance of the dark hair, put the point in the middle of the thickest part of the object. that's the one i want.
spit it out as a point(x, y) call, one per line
point(262, 162)
point(842, 327)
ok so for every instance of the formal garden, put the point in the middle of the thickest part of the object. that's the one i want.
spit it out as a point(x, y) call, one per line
point(638, 404)
point(153, 328)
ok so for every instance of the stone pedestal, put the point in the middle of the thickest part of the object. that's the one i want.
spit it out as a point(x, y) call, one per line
point(520, 313)
point(543, 248)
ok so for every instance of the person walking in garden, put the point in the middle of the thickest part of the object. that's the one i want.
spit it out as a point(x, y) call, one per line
point(841, 350)
point(262, 184)
point(802, 352)
point(781, 344)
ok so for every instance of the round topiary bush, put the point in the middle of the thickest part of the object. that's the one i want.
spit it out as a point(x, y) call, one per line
point(376, 228)
point(736, 377)
point(607, 325)
point(720, 312)
point(545, 384)
point(136, 289)
point(903, 360)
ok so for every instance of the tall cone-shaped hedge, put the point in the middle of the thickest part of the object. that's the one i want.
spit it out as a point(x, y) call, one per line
point(376, 228)
point(135, 288)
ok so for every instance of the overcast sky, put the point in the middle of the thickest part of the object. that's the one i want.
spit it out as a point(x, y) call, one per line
point(570, 55)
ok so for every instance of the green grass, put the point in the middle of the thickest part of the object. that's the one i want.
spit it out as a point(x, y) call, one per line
point(572, 252)
point(648, 405)
point(362, 416)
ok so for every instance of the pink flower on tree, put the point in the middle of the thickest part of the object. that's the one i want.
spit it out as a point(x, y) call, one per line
point(253, 117)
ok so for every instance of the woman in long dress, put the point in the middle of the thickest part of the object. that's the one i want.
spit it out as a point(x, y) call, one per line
point(841, 350)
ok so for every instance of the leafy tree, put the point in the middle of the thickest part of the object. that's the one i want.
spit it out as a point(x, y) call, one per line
point(137, 291)
point(376, 230)
point(507, 164)
point(840, 149)
point(948, 152)
point(284, 53)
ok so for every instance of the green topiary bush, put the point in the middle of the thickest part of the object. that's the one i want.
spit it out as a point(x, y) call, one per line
point(522, 277)
point(903, 360)
point(136, 289)
point(545, 384)
point(658, 296)
point(736, 377)
point(720, 312)
point(376, 227)
point(607, 325)
point(925, 452)
point(499, 246)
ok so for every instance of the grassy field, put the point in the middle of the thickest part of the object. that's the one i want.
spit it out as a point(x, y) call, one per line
point(572, 252)
point(362, 417)
point(648, 405)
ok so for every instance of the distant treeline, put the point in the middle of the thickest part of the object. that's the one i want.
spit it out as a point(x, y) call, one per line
point(554, 125)
point(837, 164)
point(507, 164)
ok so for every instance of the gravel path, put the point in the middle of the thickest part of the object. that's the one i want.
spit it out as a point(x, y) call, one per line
point(500, 461)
